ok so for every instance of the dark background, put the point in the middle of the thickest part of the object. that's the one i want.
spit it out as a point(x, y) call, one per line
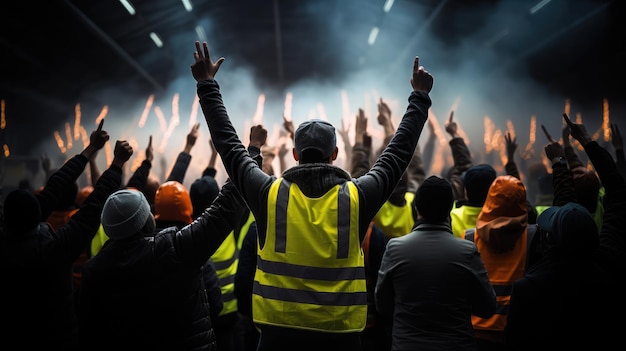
point(489, 58)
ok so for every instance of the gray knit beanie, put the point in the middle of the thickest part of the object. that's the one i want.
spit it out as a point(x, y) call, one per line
point(125, 213)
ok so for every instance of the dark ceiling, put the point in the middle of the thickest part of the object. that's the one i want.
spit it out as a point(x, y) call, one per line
point(58, 53)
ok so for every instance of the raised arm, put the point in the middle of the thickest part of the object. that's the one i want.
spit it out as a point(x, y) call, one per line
point(184, 157)
point(57, 184)
point(618, 145)
point(362, 149)
point(461, 156)
point(612, 238)
point(242, 169)
point(511, 147)
point(379, 183)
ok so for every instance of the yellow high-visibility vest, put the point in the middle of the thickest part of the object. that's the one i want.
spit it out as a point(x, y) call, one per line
point(310, 272)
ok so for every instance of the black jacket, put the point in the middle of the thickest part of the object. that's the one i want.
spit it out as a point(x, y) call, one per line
point(565, 300)
point(36, 267)
point(148, 292)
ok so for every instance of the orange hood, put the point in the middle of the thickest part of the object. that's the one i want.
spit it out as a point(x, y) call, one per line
point(504, 216)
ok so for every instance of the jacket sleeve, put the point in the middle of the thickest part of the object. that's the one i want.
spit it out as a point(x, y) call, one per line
point(196, 243)
point(180, 167)
point(242, 169)
point(563, 182)
point(212, 288)
point(58, 183)
point(384, 293)
point(360, 161)
point(462, 162)
point(83, 225)
point(612, 234)
point(140, 177)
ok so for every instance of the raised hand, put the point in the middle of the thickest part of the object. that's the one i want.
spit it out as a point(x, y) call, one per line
point(548, 136)
point(149, 150)
point(578, 131)
point(122, 152)
point(288, 125)
point(258, 135)
point(98, 137)
point(192, 136)
point(511, 145)
point(421, 80)
point(451, 126)
point(204, 68)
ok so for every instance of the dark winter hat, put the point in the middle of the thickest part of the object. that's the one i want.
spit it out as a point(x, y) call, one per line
point(434, 199)
point(570, 226)
point(202, 192)
point(587, 185)
point(125, 213)
point(21, 211)
point(477, 180)
point(315, 134)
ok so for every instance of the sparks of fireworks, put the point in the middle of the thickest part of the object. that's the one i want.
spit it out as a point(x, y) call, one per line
point(174, 122)
point(490, 128)
point(606, 124)
point(288, 107)
point(108, 153)
point(146, 110)
point(176, 108)
point(5, 149)
point(3, 120)
point(59, 140)
point(68, 135)
point(77, 115)
point(161, 118)
point(84, 137)
point(193, 116)
point(258, 114)
point(103, 114)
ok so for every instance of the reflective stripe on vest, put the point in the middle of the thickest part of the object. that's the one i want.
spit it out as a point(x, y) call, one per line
point(244, 229)
point(503, 270)
point(225, 259)
point(310, 273)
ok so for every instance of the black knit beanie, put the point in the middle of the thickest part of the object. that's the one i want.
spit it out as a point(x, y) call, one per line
point(434, 199)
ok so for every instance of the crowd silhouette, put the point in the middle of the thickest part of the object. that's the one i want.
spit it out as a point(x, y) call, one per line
point(381, 253)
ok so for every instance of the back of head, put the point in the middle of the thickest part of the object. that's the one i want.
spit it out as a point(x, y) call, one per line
point(570, 227)
point(477, 180)
point(434, 200)
point(21, 211)
point(125, 213)
point(152, 185)
point(172, 203)
point(315, 141)
point(587, 185)
point(202, 193)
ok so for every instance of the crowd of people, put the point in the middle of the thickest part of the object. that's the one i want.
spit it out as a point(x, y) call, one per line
point(380, 254)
